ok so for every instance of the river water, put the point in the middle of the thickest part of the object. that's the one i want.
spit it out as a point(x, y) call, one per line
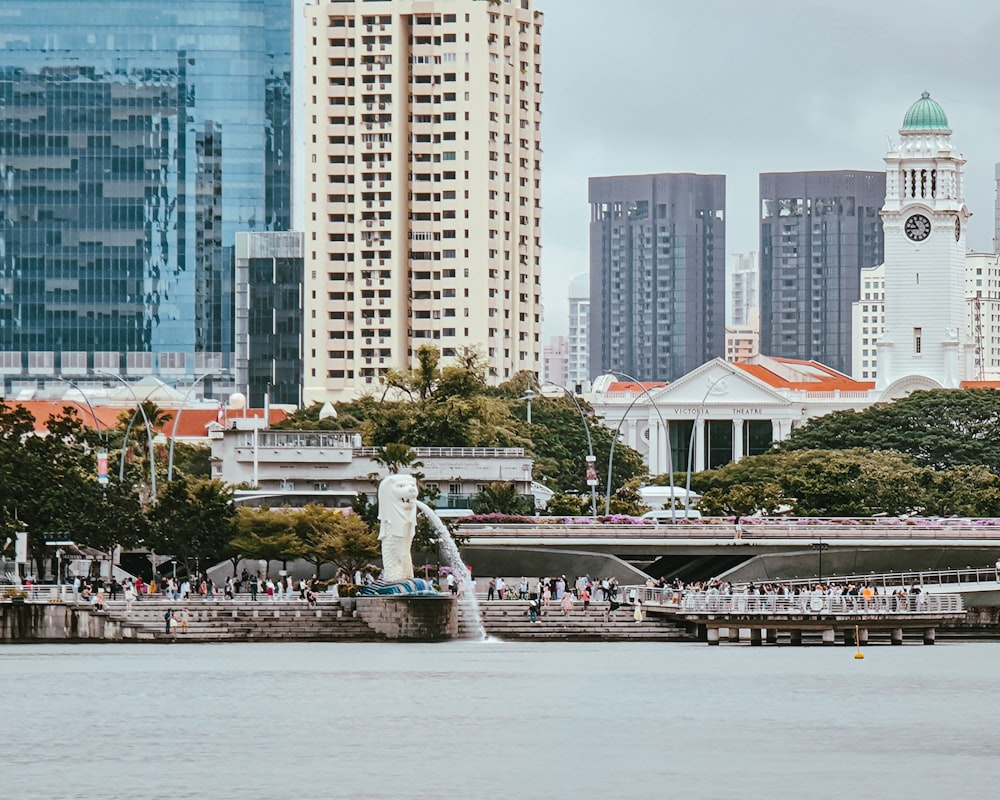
point(498, 720)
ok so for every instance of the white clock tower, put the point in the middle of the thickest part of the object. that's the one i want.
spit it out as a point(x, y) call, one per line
point(925, 343)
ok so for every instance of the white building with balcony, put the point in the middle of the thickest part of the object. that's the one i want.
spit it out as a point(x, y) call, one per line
point(296, 467)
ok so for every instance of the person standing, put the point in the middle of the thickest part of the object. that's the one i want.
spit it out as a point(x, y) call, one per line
point(168, 619)
point(501, 588)
point(185, 619)
point(637, 614)
point(522, 589)
point(491, 589)
point(254, 586)
point(129, 596)
point(998, 569)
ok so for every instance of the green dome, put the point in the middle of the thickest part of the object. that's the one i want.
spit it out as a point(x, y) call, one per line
point(925, 115)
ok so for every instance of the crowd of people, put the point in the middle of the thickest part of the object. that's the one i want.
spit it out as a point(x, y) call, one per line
point(558, 594)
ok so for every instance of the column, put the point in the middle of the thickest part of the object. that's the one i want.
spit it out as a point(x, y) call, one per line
point(734, 634)
point(897, 636)
point(771, 636)
point(755, 636)
point(863, 637)
point(699, 445)
point(653, 461)
point(929, 635)
point(829, 636)
point(737, 439)
point(713, 636)
point(796, 636)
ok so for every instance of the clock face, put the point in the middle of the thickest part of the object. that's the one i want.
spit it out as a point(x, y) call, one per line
point(917, 227)
point(958, 228)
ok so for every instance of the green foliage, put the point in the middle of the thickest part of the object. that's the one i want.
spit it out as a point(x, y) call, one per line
point(502, 497)
point(194, 519)
point(940, 429)
point(568, 505)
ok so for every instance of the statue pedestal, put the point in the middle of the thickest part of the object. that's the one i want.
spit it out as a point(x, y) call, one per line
point(410, 618)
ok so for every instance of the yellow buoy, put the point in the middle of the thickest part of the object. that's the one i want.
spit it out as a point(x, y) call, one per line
point(857, 638)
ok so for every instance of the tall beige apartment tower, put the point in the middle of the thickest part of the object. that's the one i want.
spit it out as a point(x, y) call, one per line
point(421, 186)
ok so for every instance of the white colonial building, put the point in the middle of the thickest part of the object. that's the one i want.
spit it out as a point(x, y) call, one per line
point(928, 318)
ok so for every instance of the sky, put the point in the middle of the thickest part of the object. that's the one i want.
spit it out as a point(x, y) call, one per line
point(740, 87)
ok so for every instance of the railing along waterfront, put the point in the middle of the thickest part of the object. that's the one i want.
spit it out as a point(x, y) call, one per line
point(895, 580)
point(725, 529)
point(805, 603)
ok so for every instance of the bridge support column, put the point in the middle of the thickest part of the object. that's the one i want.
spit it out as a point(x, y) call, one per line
point(771, 636)
point(929, 635)
point(755, 636)
point(713, 636)
point(734, 634)
point(896, 636)
point(849, 637)
point(796, 636)
point(829, 636)
point(863, 636)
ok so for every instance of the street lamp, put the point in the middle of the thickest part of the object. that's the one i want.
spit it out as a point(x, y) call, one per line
point(149, 431)
point(177, 419)
point(591, 472)
point(694, 430)
point(528, 396)
point(97, 422)
point(666, 431)
point(611, 453)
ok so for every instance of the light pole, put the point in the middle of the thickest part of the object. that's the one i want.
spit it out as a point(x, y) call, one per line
point(666, 432)
point(592, 481)
point(149, 430)
point(611, 453)
point(694, 430)
point(177, 419)
point(528, 396)
point(97, 422)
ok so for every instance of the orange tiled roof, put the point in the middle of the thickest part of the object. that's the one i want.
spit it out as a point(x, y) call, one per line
point(632, 386)
point(980, 385)
point(192, 424)
point(817, 377)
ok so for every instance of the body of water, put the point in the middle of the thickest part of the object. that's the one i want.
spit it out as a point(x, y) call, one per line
point(495, 719)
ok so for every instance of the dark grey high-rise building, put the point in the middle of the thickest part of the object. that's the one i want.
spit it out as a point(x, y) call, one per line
point(657, 273)
point(136, 139)
point(817, 230)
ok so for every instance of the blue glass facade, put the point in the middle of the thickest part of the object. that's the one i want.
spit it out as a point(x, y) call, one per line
point(136, 139)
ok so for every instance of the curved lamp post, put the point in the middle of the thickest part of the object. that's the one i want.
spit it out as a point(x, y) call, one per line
point(694, 430)
point(590, 443)
point(177, 419)
point(149, 430)
point(611, 453)
point(97, 422)
point(666, 431)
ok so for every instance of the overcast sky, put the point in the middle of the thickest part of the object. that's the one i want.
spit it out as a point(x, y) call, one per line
point(740, 87)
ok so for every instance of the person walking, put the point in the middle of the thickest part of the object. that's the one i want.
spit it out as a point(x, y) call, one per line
point(637, 614)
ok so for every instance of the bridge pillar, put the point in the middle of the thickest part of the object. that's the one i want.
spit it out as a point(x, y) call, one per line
point(771, 635)
point(713, 636)
point(734, 634)
point(849, 637)
point(755, 636)
point(863, 637)
point(929, 635)
point(897, 636)
point(796, 636)
point(829, 636)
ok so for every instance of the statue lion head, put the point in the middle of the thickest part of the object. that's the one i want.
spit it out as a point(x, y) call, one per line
point(396, 505)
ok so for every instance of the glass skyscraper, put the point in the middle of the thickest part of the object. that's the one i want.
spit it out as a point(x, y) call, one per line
point(136, 139)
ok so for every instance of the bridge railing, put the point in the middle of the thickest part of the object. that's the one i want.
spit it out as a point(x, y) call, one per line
point(895, 580)
point(789, 530)
point(743, 603)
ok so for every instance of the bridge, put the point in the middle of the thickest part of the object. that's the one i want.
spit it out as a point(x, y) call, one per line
point(761, 549)
point(768, 616)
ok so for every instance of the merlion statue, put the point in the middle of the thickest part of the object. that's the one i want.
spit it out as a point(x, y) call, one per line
point(397, 515)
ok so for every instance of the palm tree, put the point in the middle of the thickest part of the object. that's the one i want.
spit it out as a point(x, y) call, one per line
point(396, 456)
point(501, 498)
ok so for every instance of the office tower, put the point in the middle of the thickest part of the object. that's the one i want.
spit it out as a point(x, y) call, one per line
point(269, 269)
point(996, 215)
point(867, 323)
point(657, 273)
point(555, 360)
point(925, 341)
point(136, 139)
point(744, 282)
point(422, 126)
point(578, 365)
point(982, 291)
point(817, 231)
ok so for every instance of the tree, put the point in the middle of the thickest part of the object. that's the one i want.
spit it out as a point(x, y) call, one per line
point(266, 535)
point(194, 520)
point(939, 429)
point(501, 497)
point(395, 456)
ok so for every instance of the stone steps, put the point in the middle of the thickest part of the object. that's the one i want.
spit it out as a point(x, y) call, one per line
point(508, 619)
